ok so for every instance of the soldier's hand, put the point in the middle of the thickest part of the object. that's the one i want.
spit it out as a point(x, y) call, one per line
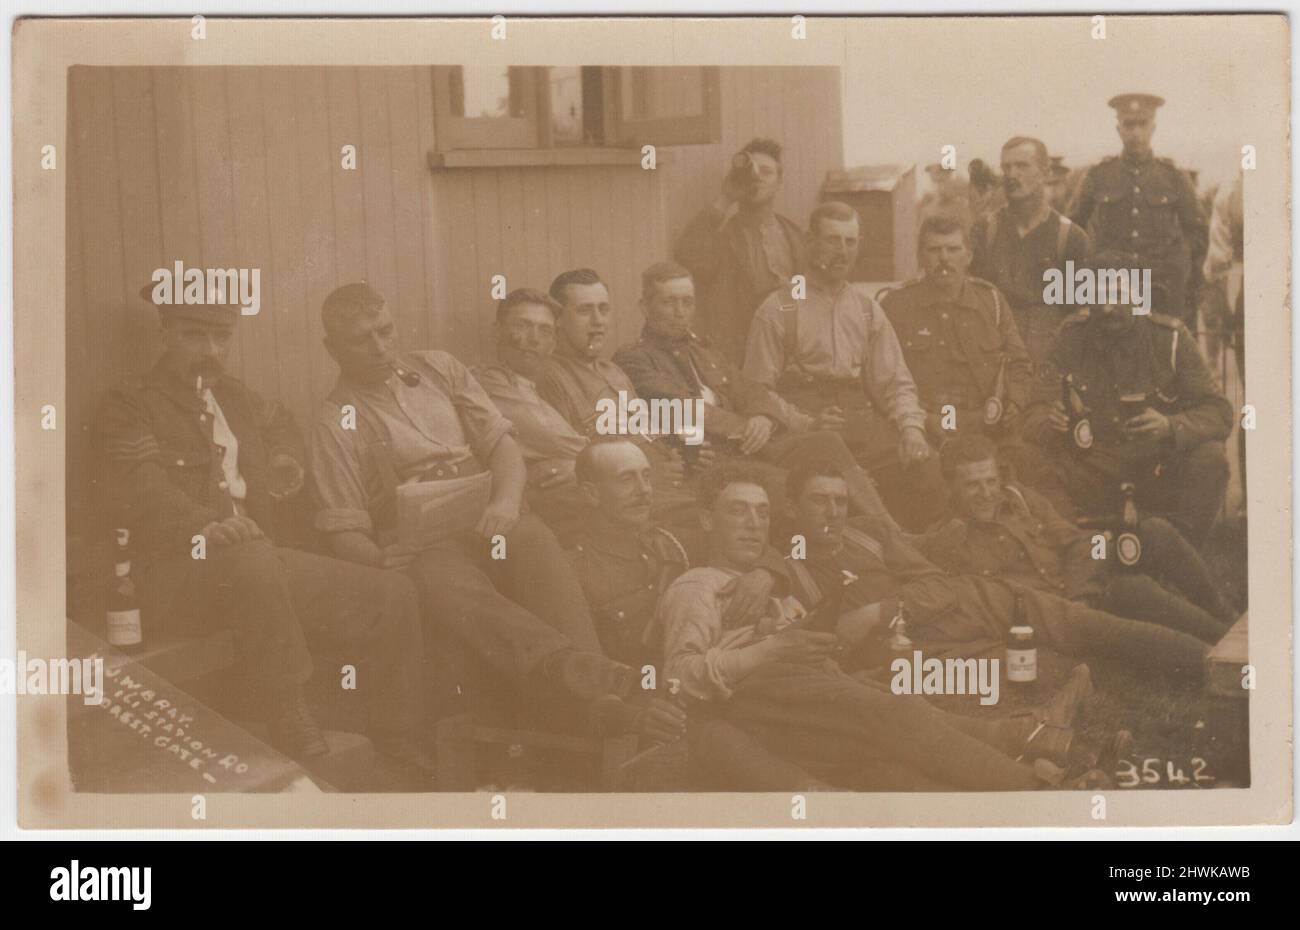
point(1057, 419)
point(397, 555)
point(232, 531)
point(831, 417)
point(1149, 423)
point(758, 430)
point(912, 447)
point(800, 646)
point(705, 456)
point(749, 597)
point(499, 518)
point(661, 721)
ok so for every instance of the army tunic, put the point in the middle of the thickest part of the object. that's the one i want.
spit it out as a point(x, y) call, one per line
point(956, 348)
point(1029, 544)
point(1158, 361)
point(1147, 209)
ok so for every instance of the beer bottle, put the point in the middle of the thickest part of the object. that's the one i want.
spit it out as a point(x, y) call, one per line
point(898, 640)
point(1128, 547)
point(1080, 425)
point(1022, 648)
point(123, 615)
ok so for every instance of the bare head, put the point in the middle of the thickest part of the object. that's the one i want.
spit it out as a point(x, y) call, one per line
point(360, 334)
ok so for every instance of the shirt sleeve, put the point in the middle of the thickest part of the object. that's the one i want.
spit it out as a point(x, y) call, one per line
point(691, 617)
point(483, 423)
point(338, 476)
point(890, 381)
point(765, 350)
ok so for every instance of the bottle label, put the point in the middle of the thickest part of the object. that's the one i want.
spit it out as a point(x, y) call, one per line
point(124, 627)
point(1022, 665)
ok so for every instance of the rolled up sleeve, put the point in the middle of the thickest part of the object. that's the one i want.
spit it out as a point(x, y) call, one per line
point(691, 618)
point(484, 424)
point(338, 476)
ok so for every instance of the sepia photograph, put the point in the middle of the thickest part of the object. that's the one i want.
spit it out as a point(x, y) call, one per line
point(653, 421)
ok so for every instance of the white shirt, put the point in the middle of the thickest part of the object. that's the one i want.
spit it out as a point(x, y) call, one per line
point(224, 437)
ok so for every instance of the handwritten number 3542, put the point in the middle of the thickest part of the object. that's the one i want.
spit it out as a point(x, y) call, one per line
point(1130, 776)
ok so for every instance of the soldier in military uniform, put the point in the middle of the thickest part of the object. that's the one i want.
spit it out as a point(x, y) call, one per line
point(741, 417)
point(550, 445)
point(1155, 414)
point(1002, 529)
point(192, 452)
point(960, 341)
point(625, 561)
point(833, 354)
point(1145, 207)
point(881, 576)
point(1015, 245)
point(738, 248)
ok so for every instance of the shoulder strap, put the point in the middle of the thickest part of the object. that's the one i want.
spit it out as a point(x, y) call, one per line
point(790, 324)
point(1012, 489)
point(681, 550)
point(864, 541)
point(1062, 236)
point(809, 588)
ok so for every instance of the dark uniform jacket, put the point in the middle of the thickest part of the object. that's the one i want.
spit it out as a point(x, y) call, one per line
point(1027, 543)
point(1146, 208)
point(625, 574)
point(1016, 265)
point(667, 368)
point(1156, 358)
point(955, 349)
point(732, 272)
point(164, 479)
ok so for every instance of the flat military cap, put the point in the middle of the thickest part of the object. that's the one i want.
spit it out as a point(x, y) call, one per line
point(179, 310)
point(1137, 106)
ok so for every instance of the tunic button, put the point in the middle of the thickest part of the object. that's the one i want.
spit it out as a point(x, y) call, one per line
point(620, 615)
point(203, 418)
point(1137, 190)
point(1135, 234)
point(1135, 211)
point(943, 316)
point(650, 587)
point(223, 485)
point(180, 461)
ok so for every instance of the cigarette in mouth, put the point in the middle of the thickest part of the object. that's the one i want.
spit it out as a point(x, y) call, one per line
point(198, 384)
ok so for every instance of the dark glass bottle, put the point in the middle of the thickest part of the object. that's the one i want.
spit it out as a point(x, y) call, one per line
point(124, 632)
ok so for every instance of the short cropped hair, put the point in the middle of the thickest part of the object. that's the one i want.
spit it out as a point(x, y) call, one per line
point(763, 146)
point(586, 466)
point(580, 276)
point(348, 302)
point(940, 224)
point(719, 478)
point(526, 295)
point(966, 450)
point(1040, 149)
point(660, 272)
point(798, 478)
point(831, 210)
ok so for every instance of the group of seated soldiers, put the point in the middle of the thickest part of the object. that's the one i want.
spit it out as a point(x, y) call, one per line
point(861, 462)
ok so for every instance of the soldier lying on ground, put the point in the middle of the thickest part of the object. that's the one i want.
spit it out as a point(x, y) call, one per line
point(1005, 530)
point(781, 684)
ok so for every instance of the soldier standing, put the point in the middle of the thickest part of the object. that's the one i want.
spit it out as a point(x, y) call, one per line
point(1015, 245)
point(739, 248)
point(1146, 207)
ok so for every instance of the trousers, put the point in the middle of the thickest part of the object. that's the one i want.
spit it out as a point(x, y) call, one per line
point(831, 724)
point(283, 605)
